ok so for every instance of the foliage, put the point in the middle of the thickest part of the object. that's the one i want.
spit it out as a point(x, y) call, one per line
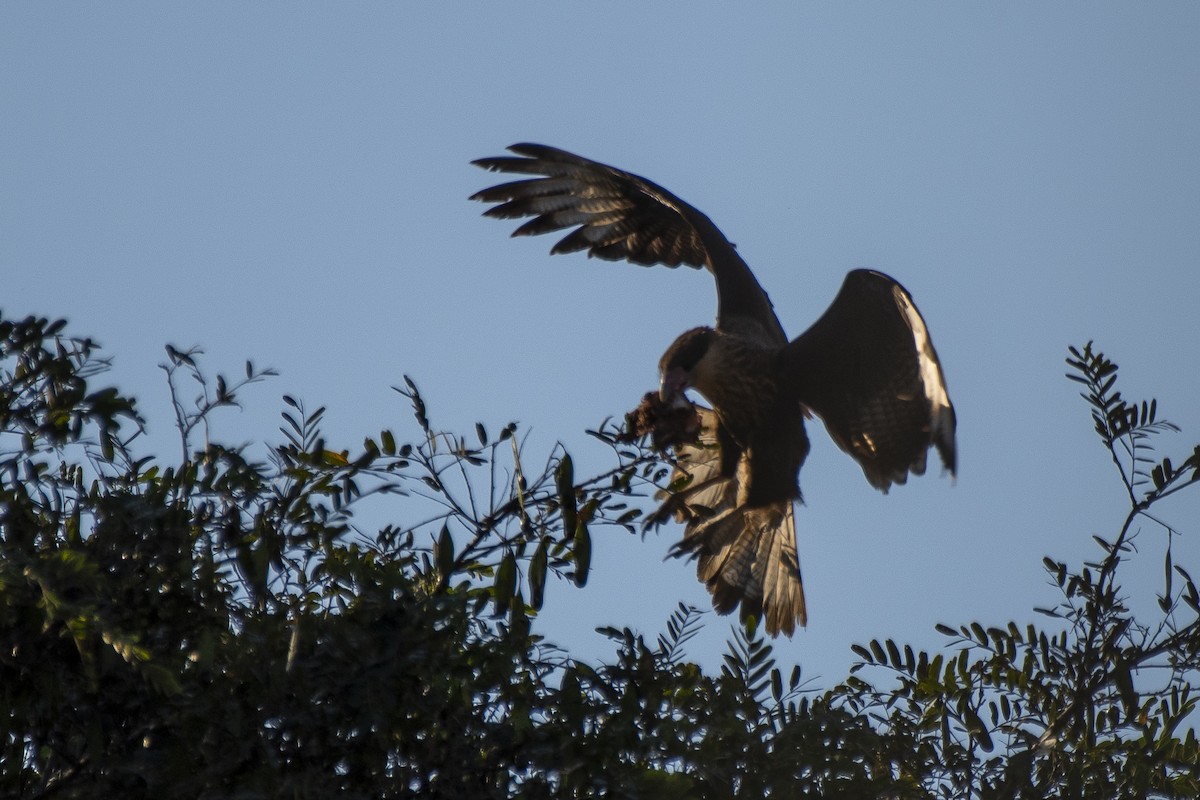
point(219, 627)
point(1094, 706)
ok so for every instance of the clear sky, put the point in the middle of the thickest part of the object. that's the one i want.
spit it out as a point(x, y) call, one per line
point(289, 183)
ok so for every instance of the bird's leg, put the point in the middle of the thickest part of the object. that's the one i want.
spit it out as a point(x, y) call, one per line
point(676, 504)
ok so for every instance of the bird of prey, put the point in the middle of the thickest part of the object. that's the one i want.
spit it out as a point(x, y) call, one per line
point(867, 368)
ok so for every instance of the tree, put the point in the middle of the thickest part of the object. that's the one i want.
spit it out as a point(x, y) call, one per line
point(217, 626)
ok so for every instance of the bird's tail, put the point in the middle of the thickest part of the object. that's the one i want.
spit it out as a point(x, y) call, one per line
point(746, 556)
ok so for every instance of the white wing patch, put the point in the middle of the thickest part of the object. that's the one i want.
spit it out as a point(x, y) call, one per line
point(941, 413)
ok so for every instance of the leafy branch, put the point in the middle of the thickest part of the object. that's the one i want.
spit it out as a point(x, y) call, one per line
point(1089, 709)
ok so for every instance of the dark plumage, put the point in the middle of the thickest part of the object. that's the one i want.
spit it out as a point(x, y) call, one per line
point(867, 367)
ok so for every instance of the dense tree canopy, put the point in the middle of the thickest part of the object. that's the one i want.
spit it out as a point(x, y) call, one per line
point(216, 626)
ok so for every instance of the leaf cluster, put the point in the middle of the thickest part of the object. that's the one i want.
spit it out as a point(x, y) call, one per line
point(222, 626)
point(1099, 703)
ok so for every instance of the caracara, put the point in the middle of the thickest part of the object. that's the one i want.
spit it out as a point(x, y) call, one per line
point(867, 368)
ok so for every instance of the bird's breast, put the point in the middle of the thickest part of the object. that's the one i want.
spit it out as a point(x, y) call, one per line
point(739, 378)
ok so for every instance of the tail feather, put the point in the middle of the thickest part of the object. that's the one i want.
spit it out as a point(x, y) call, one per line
point(746, 556)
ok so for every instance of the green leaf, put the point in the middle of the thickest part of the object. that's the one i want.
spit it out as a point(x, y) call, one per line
point(564, 479)
point(163, 680)
point(505, 585)
point(1123, 677)
point(583, 554)
point(444, 554)
point(977, 729)
point(893, 651)
point(537, 573)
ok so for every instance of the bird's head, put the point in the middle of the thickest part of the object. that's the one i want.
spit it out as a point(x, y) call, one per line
point(683, 364)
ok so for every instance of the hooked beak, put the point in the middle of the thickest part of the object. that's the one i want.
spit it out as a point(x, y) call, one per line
point(674, 383)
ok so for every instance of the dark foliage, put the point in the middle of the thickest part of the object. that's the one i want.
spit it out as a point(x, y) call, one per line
point(218, 627)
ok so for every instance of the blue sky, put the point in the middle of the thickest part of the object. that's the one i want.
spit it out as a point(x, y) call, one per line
point(288, 183)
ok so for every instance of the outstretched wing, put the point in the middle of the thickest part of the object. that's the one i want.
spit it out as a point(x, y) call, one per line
point(617, 215)
point(745, 556)
point(867, 367)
